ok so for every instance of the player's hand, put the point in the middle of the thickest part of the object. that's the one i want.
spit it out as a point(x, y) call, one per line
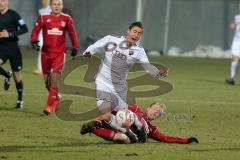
point(163, 72)
point(192, 140)
point(4, 34)
point(87, 54)
point(74, 52)
point(35, 45)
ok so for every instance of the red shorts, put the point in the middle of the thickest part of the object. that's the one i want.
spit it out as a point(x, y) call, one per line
point(52, 62)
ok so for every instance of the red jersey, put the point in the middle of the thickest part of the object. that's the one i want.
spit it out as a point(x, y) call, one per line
point(151, 130)
point(54, 32)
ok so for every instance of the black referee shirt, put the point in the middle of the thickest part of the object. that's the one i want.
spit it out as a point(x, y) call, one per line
point(14, 24)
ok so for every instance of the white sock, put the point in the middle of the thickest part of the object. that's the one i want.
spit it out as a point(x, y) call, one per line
point(137, 123)
point(39, 62)
point(234, 66)
point(113, 123)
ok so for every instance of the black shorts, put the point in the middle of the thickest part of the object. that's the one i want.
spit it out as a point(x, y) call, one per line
point(14, 56)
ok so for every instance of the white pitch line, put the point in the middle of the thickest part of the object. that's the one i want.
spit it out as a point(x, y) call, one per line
point(2, 93)
point(205, 102)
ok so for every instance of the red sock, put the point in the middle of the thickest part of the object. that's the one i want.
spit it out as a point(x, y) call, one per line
point(52, 95)
point(104, 133)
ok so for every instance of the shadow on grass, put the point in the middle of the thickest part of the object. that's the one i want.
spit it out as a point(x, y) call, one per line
point(60, 147)
point(215, 149)
point(23, 110)
point(220, 82)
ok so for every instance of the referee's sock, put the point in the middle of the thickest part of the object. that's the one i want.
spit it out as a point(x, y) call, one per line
point(4, 73)
point(19, 87)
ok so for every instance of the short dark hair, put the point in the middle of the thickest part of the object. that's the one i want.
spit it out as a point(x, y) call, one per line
point(136, 24)
point(51, 1)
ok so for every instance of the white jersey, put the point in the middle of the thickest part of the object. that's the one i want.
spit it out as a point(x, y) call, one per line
point(45, 10)
point(118, 59)
point(237, 31)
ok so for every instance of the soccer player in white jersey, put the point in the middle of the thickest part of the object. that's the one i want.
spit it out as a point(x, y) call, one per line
point(45, 9)
point(120, 53)
point(235, 49)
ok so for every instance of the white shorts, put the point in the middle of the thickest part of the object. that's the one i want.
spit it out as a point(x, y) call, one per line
point(235, 48)
point(108, 97)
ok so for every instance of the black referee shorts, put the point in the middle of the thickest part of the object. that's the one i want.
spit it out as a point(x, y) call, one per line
point(14, 56)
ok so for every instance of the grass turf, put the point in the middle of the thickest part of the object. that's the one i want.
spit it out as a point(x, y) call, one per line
point(199, 93)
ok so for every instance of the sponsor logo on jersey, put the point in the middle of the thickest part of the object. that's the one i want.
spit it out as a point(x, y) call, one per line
point(131, 52)
point(55, 31)
point(63, 24)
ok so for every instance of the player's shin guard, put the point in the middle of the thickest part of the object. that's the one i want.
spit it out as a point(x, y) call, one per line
point(53, 99)
point(19, 87)
point(4, 73)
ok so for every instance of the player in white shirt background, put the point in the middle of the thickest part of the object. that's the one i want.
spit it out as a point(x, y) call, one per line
point(45, 9)
point(235, 49)
point(119, 54)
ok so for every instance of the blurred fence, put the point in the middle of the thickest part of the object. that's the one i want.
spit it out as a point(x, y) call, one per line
point(191, 22)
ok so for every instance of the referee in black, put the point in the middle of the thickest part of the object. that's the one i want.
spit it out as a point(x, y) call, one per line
point(11, 26)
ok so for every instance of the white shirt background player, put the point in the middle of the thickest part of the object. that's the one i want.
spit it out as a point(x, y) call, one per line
point(235, 49)
point(46, 9)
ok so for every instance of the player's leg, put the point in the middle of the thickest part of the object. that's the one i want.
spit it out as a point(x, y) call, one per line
point(106, 104)
point(15, 60)
point(234, 67)
point(7, 74)
point(38, 71)
point(235, 49)
point(19, 86)
point(57, 62)
point(103, 131)
point(53, 99)
point(107, 101)
point(110, 135)
point(46, 70)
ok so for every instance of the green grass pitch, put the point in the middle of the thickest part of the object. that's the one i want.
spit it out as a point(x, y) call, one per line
point(199, 92)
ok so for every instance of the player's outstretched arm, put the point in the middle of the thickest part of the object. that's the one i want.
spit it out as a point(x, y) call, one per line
point(160, 137)
point(151, 69)
point(98, 46)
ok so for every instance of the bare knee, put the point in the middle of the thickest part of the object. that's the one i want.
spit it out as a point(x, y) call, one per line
point(121, 137)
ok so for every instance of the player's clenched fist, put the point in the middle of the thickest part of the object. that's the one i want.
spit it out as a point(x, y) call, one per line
point(74, 52)
point(87, 54)
point(35, 45)
point(163, 72)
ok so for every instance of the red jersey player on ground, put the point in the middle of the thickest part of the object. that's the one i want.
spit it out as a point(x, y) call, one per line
point(54, 27)
point(101, 128)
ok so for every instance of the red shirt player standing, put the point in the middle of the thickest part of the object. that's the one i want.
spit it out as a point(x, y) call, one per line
point(54, 27)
